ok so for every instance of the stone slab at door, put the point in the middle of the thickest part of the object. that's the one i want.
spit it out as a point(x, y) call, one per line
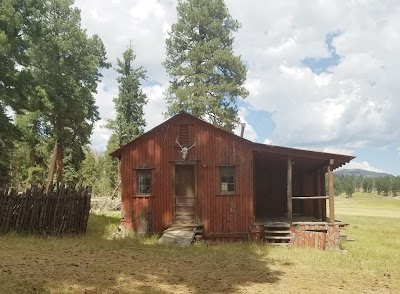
point(185, 194)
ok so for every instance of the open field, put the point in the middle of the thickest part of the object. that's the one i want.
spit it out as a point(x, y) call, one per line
point(368, 204)
point(94, 264)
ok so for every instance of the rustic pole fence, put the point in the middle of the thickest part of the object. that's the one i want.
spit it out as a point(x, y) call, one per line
point(54, 210)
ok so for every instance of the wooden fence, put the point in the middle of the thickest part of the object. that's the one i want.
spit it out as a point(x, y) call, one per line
point(61, 211)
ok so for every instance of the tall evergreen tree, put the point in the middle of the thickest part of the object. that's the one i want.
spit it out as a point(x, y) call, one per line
point(349, 185)
point(207, 78)
point(30, 156)
point(338, 184)
point(88, 169)
point(129, 123)
point(111, 163)
point(367, 184)
point(66, 65)
point(18, 28)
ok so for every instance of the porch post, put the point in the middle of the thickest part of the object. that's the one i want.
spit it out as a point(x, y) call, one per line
point(331, 192)
point(289, 190)
point(319, 192)
point(322, 179)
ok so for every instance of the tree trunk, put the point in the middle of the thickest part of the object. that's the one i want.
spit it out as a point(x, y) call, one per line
point(52, 166)
point(59, 163)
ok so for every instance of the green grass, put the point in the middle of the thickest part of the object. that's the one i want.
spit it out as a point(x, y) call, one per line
point(368, 204)
point(102, 262)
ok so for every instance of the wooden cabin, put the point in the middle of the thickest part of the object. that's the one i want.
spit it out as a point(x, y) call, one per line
point(188, 172)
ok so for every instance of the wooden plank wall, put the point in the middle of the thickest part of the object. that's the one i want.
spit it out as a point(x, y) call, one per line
point(308, 190)
point(220, 214)
point(271, 198)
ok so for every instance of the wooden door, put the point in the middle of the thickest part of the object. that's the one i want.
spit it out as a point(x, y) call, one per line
point(185, 194)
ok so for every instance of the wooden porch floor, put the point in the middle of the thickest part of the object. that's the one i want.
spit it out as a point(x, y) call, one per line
point(284, 220)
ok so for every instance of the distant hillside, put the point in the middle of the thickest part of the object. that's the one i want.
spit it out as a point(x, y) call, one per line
point(361, 172)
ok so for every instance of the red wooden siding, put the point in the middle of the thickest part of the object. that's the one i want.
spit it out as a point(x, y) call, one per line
point(260, 178)
point(220, 214)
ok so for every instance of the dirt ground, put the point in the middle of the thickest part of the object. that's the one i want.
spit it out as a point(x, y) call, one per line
point(146, 269)
point(97, 263)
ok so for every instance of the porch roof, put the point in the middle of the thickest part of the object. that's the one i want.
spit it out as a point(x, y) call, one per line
point(308, 158)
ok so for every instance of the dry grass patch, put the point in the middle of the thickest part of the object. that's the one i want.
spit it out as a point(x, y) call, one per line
point(368, 204)
point(93, 264)
point(97, 263)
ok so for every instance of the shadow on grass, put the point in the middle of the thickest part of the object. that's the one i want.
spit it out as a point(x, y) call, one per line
point(132, 265)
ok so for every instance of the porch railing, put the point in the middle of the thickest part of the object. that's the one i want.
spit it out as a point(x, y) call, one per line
point(319, 198)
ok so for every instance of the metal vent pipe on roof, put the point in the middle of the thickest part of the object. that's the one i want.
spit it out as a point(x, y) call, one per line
point(242, 131)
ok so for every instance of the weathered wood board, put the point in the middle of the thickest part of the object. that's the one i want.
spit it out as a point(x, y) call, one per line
point(176, 236)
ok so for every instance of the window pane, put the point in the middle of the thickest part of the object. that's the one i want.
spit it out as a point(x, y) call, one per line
point(224, 187)
point(144, 181)
point(227, 179)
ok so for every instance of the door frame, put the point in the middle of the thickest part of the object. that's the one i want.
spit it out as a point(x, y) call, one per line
point(184, 163)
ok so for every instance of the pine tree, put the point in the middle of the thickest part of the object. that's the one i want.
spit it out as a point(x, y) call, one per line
point(66, 66)
point(31, 155)
point(111, 164)
point(207, 78)
point(18, 29)
point(349, 185)
point(129, 123)
point(88, 169)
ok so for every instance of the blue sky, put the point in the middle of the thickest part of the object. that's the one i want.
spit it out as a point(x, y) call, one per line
point(322, 75)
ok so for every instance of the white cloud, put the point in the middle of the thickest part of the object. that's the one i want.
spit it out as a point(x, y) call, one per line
point(119, 23)
point(267, 141)
point(155, 106)
point(362, 165)
point(100, 136)
point(142, 23)
point(356, 101)
point(104, 101)
point(352, 105)
point(338, 151)
point(249, 132)
point(153, 112)
point(143, 10)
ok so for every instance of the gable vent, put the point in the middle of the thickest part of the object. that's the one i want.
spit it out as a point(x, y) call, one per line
point(184, 135)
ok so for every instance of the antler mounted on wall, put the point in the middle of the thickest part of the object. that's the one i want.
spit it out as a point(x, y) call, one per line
point(185, 150)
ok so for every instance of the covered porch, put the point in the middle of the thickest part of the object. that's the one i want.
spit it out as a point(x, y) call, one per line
point(293, 190)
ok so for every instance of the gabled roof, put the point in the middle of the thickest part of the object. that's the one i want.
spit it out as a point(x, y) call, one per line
point(117, 153)
point(339, 159)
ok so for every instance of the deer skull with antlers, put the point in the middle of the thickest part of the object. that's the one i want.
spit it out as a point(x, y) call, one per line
point(184, 150)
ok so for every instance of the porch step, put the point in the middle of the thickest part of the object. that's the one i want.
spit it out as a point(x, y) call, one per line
point(277, 225)
point(181, 235)
point(277, 233)
point(198, 233)
point(278, 237)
